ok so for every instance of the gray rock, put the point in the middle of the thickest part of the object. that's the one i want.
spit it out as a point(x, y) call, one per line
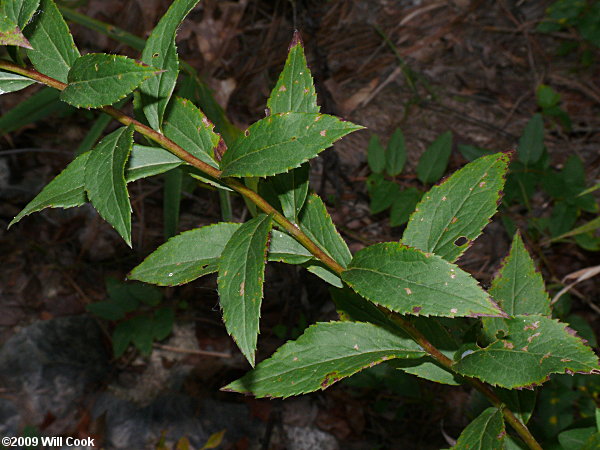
point(47, 367)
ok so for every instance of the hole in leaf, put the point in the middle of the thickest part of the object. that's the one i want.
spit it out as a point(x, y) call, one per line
point(461, 241)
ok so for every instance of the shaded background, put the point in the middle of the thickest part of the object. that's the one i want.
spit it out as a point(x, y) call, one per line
point(471, 67)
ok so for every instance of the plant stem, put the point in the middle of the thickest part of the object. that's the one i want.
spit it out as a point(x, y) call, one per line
point(171, 146)
point(420, 339)
point(292, 229)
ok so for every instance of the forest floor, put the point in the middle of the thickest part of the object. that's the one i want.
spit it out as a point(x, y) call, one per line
point(427, 67)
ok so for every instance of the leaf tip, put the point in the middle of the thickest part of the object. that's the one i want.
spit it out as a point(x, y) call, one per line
point(296, 39)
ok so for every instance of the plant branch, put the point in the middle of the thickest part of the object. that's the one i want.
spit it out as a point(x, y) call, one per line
point(420, 339)
point(291, 228)
point(178, 151)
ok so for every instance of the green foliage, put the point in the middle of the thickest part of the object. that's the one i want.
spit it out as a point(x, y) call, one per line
point(105, 180)
point(294, 90)
point(186, 256)
point(19, 11)
point(150, 322)
point(188, 127)
point(53, 50)
point(317, 224)
point(323, 355)
point(241, 276)
point(529, 343)
point(518, 288)
point(434, 160)
point(406, 280)
point(443, 222)
point(160, 52)
point(65, 191)
point(97, 79)
point(531, 144)
point(582, 15)
point(281, 142)
point(486, 432)
point(10, 34)
point(42, 104)
point(11, 82)
point(404, 301)
point(147, 161)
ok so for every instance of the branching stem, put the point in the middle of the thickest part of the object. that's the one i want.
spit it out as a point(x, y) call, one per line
point(292, 229)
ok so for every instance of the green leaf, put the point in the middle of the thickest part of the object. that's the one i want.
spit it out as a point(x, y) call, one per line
point(193, 88)
point(383, 194)
point(10, 34)
point(148, 161)
point(163, 323)
point(11, 82)
point(592, 225)
point(520, 402)
point(107, 309)
point(519, 288)
point(592, 443)
point(583, 329)
point(324, 354)
point(428, 369)
point(396, 154)
point(98, 79)
point(142, 333)
point(65, 191)
point(459, 207)
point(531, 144)
point(20, 11)
point(189, 128)
point(241, 275)
point(407, 281)
point(40, 105)
point(486, 432)
point(284, 248)
point(160, 52)
point(546, 96)
point(434, 160)
point(324, 273)
point(316, 223)
point(576, 439)
point(185, 257)
point(351, 306)
point(291, 189)
point(281, 142)
point(563, 218)
point(375, 155)
point(404, 204)
point(53, 50)
point(294, 90)
point(105, 180)
point(537, 345)
point(121, 338)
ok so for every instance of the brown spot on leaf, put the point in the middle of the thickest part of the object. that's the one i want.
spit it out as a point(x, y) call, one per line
point(329, 379)
point(416, 309)
point(533, 326)
point(242, 288)
point(220, 150)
